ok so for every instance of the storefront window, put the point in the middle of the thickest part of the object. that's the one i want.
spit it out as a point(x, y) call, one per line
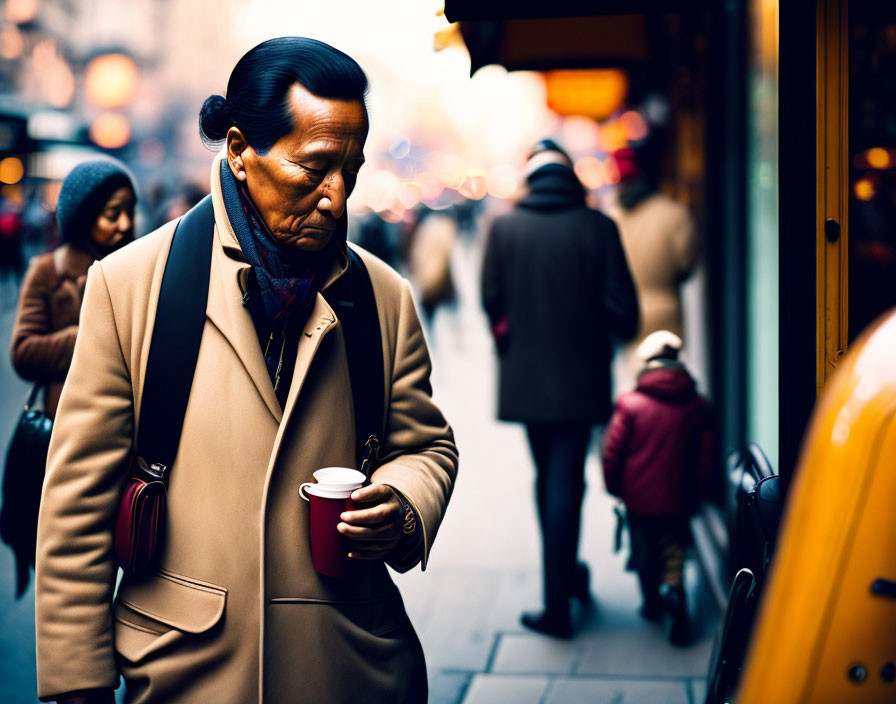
point(872, 150)
point(762, 228)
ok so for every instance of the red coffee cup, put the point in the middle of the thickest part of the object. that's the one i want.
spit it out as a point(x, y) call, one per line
point(326, 502)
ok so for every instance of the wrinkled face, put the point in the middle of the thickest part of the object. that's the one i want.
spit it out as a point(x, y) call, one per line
point(116, 219)
point(301, 184)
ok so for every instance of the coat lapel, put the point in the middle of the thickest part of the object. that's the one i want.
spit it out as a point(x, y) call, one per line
point(226, 312)
point(225, 304)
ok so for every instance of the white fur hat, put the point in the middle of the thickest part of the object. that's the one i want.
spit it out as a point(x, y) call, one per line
point(659, 343)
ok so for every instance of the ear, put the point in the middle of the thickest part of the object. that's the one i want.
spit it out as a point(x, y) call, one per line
point(236, 145)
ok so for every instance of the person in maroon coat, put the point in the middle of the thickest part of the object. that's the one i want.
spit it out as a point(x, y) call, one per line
point(658, 458)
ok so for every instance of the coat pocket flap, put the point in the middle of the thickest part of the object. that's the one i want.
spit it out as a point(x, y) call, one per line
point(134, 642)
point(180, 602)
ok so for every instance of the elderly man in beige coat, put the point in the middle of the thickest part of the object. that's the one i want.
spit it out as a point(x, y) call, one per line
point(235, 612)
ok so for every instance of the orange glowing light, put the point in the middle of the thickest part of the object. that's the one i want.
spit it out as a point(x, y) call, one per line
point(864, 189)
point(111, 80)
point(110, 130)
point(612, 137)
point(633, 124)
point(11, 170)
point(596, 93)
point(878, 158)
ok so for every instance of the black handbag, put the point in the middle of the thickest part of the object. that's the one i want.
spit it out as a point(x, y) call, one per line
point(23, 478)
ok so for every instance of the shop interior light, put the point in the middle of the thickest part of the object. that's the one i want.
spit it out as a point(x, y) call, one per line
point(11, 170)
point(110, 80)
point(864, 189)
point(595, 93)
point(110, 130)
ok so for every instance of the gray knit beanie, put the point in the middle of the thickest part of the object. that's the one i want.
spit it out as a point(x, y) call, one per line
point(84, 193)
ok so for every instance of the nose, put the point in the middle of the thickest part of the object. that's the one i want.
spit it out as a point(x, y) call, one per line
point(334, 196)
point(125, 221)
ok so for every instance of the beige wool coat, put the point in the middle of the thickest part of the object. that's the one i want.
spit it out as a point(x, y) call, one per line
point(235, 612)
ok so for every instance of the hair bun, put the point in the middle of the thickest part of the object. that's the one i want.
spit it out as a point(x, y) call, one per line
point(214, 119)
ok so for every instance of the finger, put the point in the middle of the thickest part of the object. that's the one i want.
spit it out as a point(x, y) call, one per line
point(388, 531)
point(373, 493)
point(371, 552)
point(381, 513)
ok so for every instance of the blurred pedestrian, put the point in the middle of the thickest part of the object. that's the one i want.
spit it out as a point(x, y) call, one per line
point(660, 242)
point(556, 288)
point(658, 458)
point(233, 609)
point(96, 214)
point(12, 257)
point(430, 243)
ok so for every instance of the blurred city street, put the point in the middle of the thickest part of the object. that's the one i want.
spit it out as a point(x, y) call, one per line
point(484, 569)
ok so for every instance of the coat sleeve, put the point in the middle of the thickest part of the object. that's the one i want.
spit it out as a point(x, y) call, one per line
point(615, 448)
point(38, 352)
point(620, 297)
point(419, 457)
point(87, 465)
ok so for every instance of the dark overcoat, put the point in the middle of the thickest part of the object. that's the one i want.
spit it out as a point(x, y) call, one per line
point(555, 278)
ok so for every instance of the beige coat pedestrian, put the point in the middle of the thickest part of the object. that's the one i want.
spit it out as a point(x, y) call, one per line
point(660, 242)
point(235, 613)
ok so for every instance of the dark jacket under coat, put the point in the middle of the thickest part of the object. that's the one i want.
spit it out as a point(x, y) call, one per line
point(659, 447)
point(555, 276)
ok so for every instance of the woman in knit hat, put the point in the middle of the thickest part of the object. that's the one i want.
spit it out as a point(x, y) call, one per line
point(95, 212)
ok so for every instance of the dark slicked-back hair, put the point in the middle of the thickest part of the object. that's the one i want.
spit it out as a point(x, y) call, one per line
point(257, 99)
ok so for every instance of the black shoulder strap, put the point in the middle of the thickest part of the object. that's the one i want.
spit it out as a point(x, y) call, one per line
point(355, 305)
point(174, 349)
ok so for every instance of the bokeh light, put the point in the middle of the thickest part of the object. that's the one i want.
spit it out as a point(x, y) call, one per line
point(633, 125)
point(110, 130)
point(12, 43)
point(596, 93)
point(110, 80)
point(11, 170)
point(590, 171)
point(21, 11)
point(503, 181)
point(864, 189)
point(474, 184)
point(878, 158)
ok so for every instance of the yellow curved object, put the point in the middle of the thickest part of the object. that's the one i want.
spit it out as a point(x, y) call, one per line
point(822, 635)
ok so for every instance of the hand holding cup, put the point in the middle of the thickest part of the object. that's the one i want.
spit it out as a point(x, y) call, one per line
point(375, 526)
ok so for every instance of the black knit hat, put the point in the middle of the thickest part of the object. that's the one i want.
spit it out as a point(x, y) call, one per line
point(548, 145)
point(84, 193)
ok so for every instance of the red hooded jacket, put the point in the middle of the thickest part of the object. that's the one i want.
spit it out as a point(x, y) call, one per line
point(658, 449)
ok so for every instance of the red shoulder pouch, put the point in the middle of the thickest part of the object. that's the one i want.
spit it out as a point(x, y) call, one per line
point(141, 519)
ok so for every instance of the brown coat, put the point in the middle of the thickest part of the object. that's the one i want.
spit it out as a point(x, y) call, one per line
point(660, 242)
point(236, 613)
point(43, 336)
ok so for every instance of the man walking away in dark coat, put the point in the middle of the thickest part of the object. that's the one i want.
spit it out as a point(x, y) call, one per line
point(658, 458)
point(556, 287)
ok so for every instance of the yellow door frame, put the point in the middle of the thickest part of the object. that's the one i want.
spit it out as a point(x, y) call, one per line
point(832, 192)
